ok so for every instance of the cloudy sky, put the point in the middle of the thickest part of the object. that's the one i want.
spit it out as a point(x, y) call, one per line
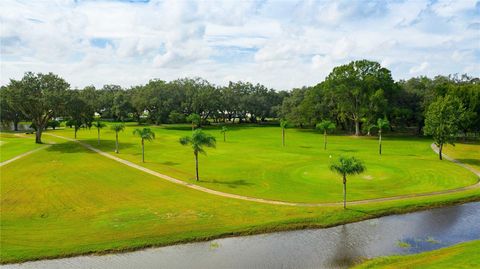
point(279, 43)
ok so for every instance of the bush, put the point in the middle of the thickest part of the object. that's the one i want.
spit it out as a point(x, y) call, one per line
point(176, 117)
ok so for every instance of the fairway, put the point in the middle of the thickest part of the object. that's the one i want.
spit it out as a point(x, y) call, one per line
point(12, 145)
point(73, 201)
point(252, 162)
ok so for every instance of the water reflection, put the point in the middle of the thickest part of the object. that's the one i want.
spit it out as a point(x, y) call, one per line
point(336, 247)
point(347, 249)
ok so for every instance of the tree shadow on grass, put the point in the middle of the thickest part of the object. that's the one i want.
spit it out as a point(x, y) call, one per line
point(68, 147)
point(348, 150)
point(169, 163)
point(231, 184)
point(470, 161)
point(74, 147)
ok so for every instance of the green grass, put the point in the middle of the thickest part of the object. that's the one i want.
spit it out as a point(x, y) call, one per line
point(12, 144)
point(66, 200)
point(253, 163)
point(466, 153)
point(464, 255)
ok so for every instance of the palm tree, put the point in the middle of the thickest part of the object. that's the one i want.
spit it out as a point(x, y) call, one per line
point(198, 140)
point(347, 166)
point(224, 132)
point(99, 125)
point(144, 134)
point(325, 126)
point(117, 127)
point(283, 125)
point(381, 124)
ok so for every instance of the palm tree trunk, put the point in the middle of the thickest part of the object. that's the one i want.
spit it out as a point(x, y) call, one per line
point(283, 137)
point(344, 191)
point(98, 137)
point(143, 152)
point(440, 151)
point(325, 139)
point(196, 165)
point(116, 142)
point(380, 142)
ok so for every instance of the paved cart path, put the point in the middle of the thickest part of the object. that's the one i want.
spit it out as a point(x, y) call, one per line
point(274, 202)
point(22, 155)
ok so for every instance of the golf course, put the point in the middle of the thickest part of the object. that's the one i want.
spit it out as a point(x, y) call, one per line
point(66, 199)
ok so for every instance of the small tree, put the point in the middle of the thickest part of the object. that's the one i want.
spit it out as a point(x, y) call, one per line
point(381, 124)
point(144, 134)
point(283, 125)
point(198, 140)
point(195, 119)
point(347, 166)
point(99, 125)
point(117, 127)
point(53, 124)
point(224, 132)
point(325, 126)
point(442, 120)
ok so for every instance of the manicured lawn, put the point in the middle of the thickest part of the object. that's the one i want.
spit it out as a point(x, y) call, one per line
point(253, 163)
point(66, 200)
point(73, 201)
point(12, 144)
point(465, 255)
point(466, 153)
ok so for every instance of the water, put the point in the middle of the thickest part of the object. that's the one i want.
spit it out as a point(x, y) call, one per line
point(336, 247)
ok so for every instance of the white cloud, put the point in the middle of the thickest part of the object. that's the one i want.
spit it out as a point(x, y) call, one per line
point(279, 44)
point(419, 68)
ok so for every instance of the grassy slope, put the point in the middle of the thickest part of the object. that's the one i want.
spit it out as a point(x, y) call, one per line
point(71, 201)
point(466, 153)
point(12, 145)
point(253, 163)
point(464, 255)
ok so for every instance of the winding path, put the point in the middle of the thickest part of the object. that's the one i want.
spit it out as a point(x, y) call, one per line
point(274, 202)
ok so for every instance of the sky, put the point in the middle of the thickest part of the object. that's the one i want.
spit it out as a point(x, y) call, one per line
point(281, 44)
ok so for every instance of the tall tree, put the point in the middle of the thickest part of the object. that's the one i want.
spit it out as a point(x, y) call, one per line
point(117, 127)
point(381, 124)
point(39, 97)
point(144, 134)
point(325, 126)
point(9, 112)
point(198, 140)
point(79, 111)
point(442, 121)
point(360, 89)
point(347, 166)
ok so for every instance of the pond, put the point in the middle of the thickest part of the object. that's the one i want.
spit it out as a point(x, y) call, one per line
point(336, 247)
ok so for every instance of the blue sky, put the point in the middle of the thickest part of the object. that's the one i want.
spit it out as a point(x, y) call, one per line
point(282, 44)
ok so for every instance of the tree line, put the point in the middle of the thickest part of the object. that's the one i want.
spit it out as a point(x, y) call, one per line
point(353, 97)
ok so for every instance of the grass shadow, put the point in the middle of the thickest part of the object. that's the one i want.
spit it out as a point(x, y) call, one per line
point(231, 184)
point(348, 150)
point(470, 161)
point(169, 163)
point(73, 147)
point(68, 147)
